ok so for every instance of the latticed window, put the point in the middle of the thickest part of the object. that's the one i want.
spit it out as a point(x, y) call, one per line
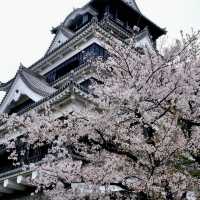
point(93, 50)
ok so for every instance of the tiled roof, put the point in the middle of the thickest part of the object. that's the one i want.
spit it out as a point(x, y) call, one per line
point(6, 86)
point(36, 82)
point(68, 89)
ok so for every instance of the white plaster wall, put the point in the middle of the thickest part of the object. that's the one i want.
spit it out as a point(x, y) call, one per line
point(60, 37)
point(71, 105)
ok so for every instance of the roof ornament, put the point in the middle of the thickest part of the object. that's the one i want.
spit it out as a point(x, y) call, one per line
point(71, 77)
point(54, 30)
point(94, 19)
point(70, 83)
point(21, 66)
point(106, 14)
point(136, 29)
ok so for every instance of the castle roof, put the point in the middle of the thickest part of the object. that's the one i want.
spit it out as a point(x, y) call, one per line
point(36, 82)
point(68, 91)
point(64, 36)
point(68, 41)
point(26, 83)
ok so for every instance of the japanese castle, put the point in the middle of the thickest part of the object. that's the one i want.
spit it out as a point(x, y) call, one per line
point(62, 76)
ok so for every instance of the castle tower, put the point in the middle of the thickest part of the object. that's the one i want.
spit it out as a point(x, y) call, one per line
point(62, 72)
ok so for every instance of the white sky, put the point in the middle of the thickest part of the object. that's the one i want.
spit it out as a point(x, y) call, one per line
point(26, 24)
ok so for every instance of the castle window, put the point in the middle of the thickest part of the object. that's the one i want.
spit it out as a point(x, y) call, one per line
point(85, 18)
point(80, 21)
point(93, 50)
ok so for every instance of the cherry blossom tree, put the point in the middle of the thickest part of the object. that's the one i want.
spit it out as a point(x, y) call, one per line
point(139, 139)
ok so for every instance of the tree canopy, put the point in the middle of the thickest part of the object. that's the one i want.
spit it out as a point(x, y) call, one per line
point(139, 139)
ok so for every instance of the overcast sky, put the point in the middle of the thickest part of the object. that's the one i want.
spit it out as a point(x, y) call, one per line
point(25, 25)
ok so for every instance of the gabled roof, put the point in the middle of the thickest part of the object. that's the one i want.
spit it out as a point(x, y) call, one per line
point(62, 32)
point(62, 35)
point(48, 56)
point(26, 83)
point(69, 90)
point(79, 11)
point(36, 82)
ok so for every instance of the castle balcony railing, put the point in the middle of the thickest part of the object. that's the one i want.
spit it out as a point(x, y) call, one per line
point(94, 50)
